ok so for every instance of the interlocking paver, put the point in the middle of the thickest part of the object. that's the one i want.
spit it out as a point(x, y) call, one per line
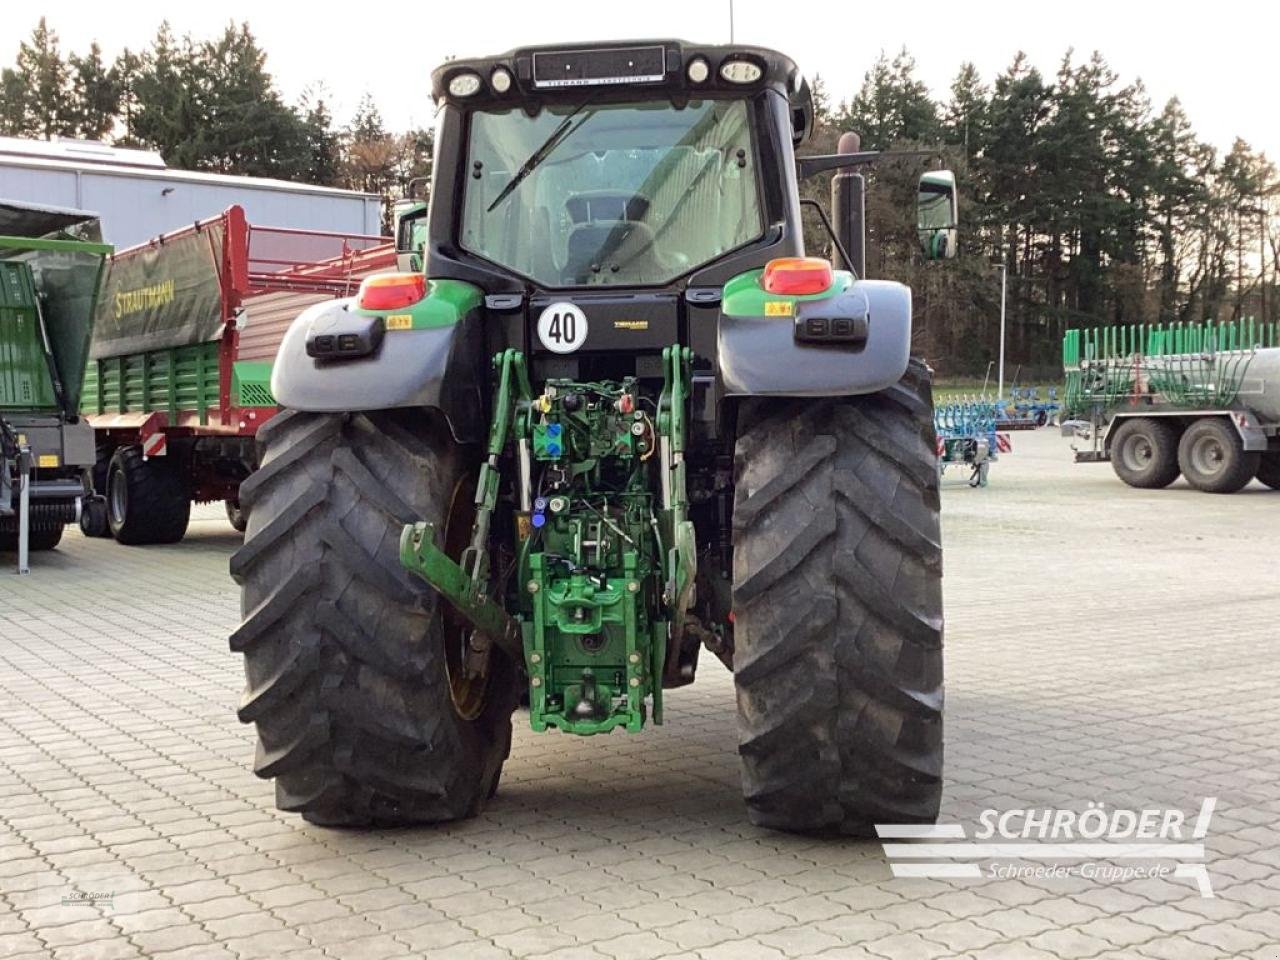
point(123, 768)
point(440, 936)
point(907, 946)
point(114, 949)
point(635, 946)
point(15, 944)
point(1230, 937)
point(337, 930)
point(170, 938)
point(741, 950)
point(963, 935)
point(243, 925)
point(260, 946)
point(800, 941)
point(1069, 943)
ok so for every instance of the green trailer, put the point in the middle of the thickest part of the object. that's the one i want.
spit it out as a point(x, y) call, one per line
point(51, 267)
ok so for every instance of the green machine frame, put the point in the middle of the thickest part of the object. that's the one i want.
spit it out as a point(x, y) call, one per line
point(593, 653)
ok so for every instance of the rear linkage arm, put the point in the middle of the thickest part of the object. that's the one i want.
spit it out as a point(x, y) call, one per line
point(465, 582)
point(682, 564)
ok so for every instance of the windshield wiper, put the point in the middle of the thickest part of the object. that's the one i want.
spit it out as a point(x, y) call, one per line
point(561, 133)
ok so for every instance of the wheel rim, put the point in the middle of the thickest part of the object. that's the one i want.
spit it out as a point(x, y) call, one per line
point(1208, 455)
point(1137, 452)
point(468, 692)
point(117, 496)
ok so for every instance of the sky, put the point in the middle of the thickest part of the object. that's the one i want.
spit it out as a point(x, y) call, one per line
point(1218, 59)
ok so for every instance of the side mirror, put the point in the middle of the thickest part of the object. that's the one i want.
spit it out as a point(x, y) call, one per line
point(411, 235)
point(937, 215)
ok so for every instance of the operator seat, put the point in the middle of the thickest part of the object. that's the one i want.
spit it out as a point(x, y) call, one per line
point(607, 244)
point(608, 231)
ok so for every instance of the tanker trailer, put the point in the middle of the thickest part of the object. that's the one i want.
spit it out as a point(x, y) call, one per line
point(1200, 401)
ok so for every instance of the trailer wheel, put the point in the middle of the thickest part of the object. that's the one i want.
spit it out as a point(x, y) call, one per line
point(147, 500)
point(235, 515)
point(838, 610)
point(1144, 452)
point(1269, 469)
point(93, 517)
point(1213, 458)
point(356, 673)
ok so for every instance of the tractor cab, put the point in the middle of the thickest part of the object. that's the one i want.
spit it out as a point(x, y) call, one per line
point(659, 165)
point(409, 227)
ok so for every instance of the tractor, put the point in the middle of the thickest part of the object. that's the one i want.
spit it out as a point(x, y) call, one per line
point(617, 418)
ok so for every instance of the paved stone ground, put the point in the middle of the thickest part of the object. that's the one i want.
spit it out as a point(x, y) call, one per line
point(1104, 644)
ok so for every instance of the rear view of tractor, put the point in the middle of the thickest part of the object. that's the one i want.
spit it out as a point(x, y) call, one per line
point(51, 264)
point(618, 421)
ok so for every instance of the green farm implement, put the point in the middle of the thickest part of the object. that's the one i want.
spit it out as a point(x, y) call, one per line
point(1197, 400)
point(970, 436)
point(51, 265)
point(612, 416)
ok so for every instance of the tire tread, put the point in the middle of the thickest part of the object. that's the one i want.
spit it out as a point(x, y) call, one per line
point(838, 610)
point(345, 671)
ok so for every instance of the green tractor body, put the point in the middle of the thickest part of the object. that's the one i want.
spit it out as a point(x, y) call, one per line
point(612, 418)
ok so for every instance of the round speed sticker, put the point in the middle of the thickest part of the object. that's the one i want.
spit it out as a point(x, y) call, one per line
point(562, 327)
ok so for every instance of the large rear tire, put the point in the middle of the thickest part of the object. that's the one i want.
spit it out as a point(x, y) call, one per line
point(1213, 457)
point(354, 682)
point(147, 500)
point(838, 610)
point(1144, 452)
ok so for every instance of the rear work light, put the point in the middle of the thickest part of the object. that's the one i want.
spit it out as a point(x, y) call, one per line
point(464, 84)
point(391, 291)
point(797, 276)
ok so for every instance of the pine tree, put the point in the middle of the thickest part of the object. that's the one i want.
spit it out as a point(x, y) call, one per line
point(213, 106)
point(44, 86)
point(892, 105)
point(325, 165)
point(249, 130)
point(127, 68)
point(372, 153)
point(95, 94)
point(13, 103)
point(965, 115)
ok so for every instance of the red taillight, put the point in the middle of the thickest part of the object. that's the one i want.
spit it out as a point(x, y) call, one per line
point(797, 275)
point(391, 291)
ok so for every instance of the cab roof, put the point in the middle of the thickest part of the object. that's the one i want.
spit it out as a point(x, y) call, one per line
point(627, 68)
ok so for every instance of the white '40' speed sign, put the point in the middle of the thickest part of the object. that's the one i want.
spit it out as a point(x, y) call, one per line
point(562, 327)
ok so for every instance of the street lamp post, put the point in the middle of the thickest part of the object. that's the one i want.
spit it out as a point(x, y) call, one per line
point(1000, 376)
